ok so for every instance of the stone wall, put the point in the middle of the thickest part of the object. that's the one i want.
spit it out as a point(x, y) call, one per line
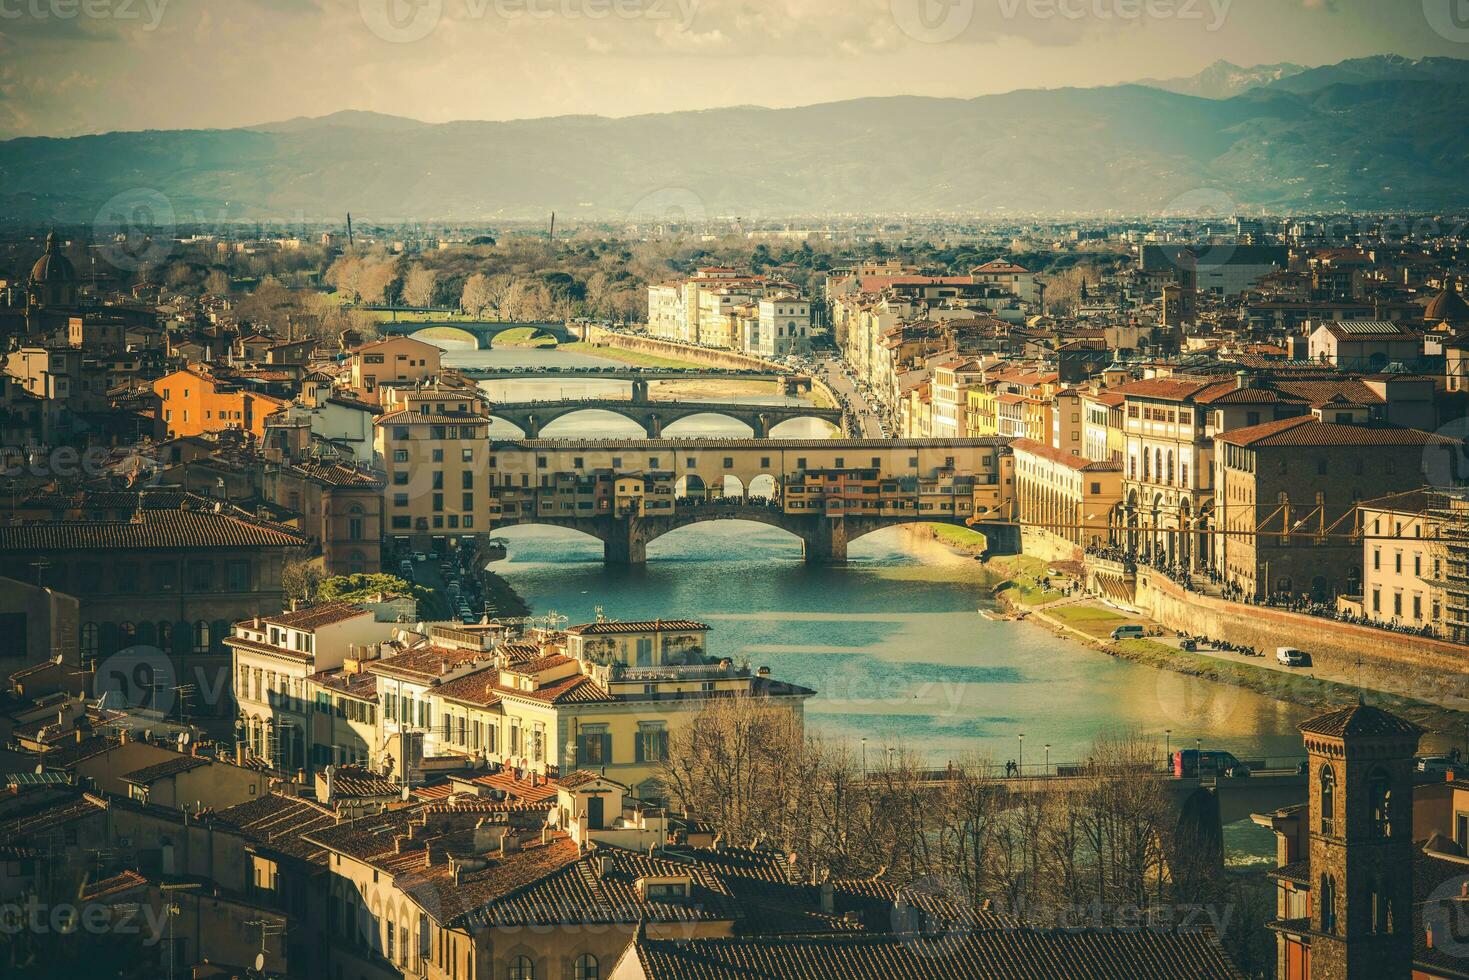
point(723, 359)
point(1437, 666)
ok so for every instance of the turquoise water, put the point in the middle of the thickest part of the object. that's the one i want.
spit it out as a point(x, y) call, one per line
point(894, 645)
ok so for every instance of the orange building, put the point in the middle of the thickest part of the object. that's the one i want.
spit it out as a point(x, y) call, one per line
point(195, 403)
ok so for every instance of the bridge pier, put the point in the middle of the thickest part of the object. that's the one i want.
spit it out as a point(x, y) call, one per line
point(762, 426)
point(655, 426)
point(532, 427)
point(826, 542)
point(626, 543)
point(640, 392)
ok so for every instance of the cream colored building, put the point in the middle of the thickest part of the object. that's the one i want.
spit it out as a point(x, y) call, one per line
point(274, 658)
point(1402, 561)
point(1067, 501)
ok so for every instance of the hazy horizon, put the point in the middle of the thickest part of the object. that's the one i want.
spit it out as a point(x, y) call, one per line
point(191, 64)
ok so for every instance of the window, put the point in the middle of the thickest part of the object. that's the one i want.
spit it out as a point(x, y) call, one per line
point(587, 967)
point(652, 741)
point(1328, 799)
point(522, 969)
point(201, 637)
point(1379, 800)
point(1328, 904)
point(593, 746)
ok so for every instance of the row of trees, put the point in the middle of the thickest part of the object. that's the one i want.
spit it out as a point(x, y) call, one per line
point(1109, 841)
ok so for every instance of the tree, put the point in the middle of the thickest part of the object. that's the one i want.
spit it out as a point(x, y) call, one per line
point(478, 298)
point(300, 578)
point(217, 283)
point(418, 287)
point(360, 588)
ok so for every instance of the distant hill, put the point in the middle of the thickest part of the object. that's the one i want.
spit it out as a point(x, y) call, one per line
point(1224, 80)
point(1374, 133)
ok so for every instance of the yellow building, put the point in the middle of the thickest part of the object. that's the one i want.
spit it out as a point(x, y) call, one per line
point(604, 695)
point(393, 359)
point(1067, 501)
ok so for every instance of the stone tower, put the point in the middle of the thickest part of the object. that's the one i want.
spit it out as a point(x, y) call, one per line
point(1361, 844)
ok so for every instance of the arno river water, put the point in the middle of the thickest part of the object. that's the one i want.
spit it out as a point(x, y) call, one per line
point(893, 642)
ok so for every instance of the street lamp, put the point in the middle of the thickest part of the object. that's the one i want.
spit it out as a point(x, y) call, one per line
point(1047, 770)
point(1020, 763)
point(864, 756)
point(1167, 745)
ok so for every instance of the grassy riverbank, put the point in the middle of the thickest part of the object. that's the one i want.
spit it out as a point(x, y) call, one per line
point(632, 357)
point(524, 338)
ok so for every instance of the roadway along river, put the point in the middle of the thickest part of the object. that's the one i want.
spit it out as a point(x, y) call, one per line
point(893, 641)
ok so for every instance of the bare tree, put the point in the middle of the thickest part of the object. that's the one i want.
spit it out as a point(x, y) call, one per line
point(418, 287)
point(477, 298)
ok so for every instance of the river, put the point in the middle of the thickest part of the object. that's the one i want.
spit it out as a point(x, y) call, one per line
point(892, 642)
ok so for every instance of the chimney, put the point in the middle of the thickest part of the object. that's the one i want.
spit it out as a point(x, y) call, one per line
point(604, 865)
point(1243, 380)
point(1428, 935)
point(828, 899)
point(240, 749)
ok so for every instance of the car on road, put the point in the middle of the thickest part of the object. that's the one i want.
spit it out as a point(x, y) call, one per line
point(1131, 631)
point(1192, 763)
point(1291, 657)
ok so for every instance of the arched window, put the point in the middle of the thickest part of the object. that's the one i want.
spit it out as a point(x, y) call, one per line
point(127, 635)
point(1379, 799)
point(89, 639)
point(587, 967)
point(1328, 904)
point(522, 969)
point(1328, 800)
point(1381, 908)
point(201, 637)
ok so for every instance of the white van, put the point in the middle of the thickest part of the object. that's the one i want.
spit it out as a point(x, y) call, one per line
point(1129, 632)
point(1291, 657)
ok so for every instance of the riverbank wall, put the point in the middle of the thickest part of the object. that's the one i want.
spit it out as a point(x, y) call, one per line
point(724, 359)
point(1435, 667)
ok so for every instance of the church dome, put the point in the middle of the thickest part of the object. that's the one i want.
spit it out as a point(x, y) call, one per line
point(1447, 306)
point(53, 266)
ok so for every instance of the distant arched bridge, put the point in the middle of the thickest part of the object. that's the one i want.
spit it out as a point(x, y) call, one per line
point(531, 417)
point(483, 332)
point(625, 539)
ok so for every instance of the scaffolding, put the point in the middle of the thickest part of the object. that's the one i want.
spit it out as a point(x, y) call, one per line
point(1447, 510)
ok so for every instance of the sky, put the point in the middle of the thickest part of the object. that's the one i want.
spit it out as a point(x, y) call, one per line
point(70, 67)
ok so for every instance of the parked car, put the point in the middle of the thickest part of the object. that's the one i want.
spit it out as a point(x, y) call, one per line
point(419, 557)
point(1291, 657)
point(1131, 631)
point(1437, 764)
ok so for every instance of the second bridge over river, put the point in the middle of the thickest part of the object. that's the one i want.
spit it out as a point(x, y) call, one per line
point(532, 417)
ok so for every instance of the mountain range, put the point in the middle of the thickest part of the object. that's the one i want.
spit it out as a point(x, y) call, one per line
point(1371, 133)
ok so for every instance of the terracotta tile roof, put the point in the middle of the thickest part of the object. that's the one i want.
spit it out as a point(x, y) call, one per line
point(281, 823)
point(646, 626)
point(354, 781)
point(584, 890)
point(152, 531)
point(1001, 954)
point(1060, 456)
point(478, 689)
point(161, 770)
point(113, 887)
point(1360, 721)
point(54, 812)
point(315, 617)
point(537, 790)
point(410, 417)
point(1307, 430)
point(1169, 389)
point(337, 475)
point(426, 663)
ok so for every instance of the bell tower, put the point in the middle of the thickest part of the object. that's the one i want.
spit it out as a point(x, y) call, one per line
point(1361, 844)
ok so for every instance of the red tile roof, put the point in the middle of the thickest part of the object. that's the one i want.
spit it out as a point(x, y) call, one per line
point(1307, 430)
point(151, 531)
